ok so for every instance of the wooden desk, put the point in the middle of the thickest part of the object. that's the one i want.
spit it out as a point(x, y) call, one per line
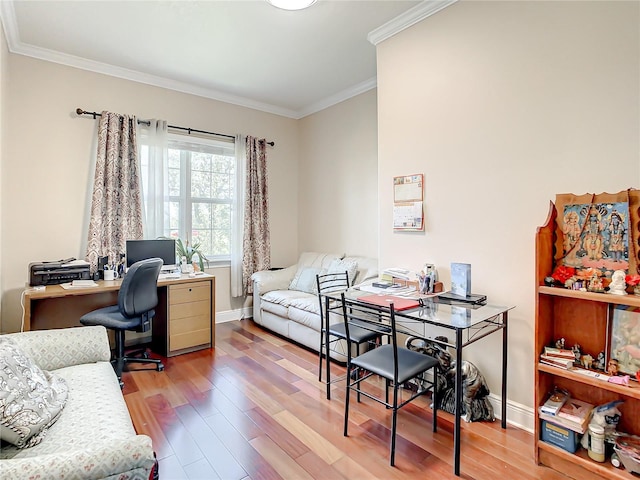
point(184, 321)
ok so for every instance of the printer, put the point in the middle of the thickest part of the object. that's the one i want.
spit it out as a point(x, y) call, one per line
point(61, 271)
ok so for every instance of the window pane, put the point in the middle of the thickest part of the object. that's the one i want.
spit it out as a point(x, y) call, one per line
point(201, 216)
point(173, 158)
point(174, 216)
point(200, 161)
point(200, 184)
point(201, 181)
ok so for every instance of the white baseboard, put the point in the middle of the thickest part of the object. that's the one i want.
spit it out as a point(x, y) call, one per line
point(231, 315)
point(518, 415)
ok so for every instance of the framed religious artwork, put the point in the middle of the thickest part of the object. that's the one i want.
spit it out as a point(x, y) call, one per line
point(625, 338)
point(598, 233)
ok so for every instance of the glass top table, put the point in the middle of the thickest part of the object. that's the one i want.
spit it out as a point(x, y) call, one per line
point(468, 323)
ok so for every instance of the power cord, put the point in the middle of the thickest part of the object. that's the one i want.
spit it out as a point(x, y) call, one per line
point(22, 295)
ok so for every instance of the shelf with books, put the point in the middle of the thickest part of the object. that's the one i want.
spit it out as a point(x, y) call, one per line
point(583, 318)
point(573, 414)
point(632, 391)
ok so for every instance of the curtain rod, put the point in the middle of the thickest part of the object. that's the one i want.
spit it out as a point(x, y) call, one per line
point(80, 111)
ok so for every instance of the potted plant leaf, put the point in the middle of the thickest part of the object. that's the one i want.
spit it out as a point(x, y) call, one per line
point(183, 249)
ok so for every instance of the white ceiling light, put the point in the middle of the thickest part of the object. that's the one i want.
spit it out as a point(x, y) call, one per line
point(292, 4)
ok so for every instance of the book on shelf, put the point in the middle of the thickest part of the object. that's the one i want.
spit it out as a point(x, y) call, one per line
point(557, 361)
point(559, 352)
point(563, 422)
point(575, 410)
point(555, 401)
point(574, 414)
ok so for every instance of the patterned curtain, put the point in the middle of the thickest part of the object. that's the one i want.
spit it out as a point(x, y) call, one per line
point(116, 207)
point(256, 246)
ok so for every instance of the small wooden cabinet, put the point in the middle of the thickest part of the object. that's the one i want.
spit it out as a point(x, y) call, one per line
point(579, 317)
point(189, 309)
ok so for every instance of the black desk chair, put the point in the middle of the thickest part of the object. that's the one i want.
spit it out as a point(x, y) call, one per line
point(332, 333)
point(397, 365)
point(137, 298)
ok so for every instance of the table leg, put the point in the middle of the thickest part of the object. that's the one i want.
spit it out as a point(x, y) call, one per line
point(504, 370)
point(327, 358)
point(458, 404)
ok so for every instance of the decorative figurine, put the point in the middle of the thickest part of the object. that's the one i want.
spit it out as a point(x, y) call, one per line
point(612, 366)
point(560, 343)
point(595, 284)
point(577, 351)
point(618, 285)
point(586, 361)
point(599, 363)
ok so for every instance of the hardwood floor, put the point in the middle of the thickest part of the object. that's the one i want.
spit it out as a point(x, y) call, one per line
point(252, 408)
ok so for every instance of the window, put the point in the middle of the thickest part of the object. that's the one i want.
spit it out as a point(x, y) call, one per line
point(200, 189)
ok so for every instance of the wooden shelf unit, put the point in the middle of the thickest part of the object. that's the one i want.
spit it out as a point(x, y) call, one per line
point(583, 318)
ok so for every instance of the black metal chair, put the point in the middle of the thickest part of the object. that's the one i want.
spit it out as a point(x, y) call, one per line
point(396, 365)
point(330, 334)
point(137, 298)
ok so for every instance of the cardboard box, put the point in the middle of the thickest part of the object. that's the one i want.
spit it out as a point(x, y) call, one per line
point(560, 436)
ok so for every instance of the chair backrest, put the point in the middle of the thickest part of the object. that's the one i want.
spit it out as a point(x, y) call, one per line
point(330, 282)
point(139, 290)
point(367, 314)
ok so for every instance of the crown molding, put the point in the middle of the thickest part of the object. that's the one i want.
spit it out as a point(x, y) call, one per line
point(338, 97)
point(7, 16)
point(412, 16)
point(407, 19)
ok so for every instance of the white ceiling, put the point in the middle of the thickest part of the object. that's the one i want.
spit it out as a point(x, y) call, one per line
point(243, 52)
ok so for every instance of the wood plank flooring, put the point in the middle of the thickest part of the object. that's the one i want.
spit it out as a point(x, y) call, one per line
point(253, 409)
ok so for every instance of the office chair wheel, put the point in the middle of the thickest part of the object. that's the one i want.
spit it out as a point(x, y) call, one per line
point(160, 367)
point(145, 354)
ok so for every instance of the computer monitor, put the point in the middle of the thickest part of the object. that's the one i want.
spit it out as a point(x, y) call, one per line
point(142, 249)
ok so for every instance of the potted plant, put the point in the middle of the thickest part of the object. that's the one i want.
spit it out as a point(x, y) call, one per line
point(183, 249)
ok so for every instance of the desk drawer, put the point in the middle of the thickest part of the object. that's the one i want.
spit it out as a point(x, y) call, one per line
point(191, 309)
point(189, 339)
point(190, 324)
point(189, 292)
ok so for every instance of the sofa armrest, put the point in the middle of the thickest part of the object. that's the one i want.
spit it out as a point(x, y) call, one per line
point(64, 347)
point(134, 454)
point(268, 280)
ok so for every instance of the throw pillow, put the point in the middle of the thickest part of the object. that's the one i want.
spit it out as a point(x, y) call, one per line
point(341, 266)
point(30, 399)
point(305, 280)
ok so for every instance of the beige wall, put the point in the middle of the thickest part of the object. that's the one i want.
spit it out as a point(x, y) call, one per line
point(45, 163)
point(338, 178)
point(4, 55)
point(502, 105)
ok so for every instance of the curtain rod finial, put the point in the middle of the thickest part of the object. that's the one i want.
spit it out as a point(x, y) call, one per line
point(79, 111)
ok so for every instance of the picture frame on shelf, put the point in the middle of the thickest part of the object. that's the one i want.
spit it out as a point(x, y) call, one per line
point(624, 339)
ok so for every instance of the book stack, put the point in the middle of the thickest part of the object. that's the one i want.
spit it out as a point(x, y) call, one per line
point(558, 357)
point(554, 403)
point(573, 414)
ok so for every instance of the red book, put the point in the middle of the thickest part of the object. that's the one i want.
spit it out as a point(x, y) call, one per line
point(399, 303)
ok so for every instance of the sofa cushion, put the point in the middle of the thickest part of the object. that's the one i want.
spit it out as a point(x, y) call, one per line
point(305, 280)
point(30, 399)
point(367, 268)
point(340, 266)
point(95, 410)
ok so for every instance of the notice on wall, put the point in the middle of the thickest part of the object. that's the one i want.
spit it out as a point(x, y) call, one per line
point(408, 196)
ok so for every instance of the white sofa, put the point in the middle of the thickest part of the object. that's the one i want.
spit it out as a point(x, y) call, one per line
point(286, 301)
point(93, 438)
